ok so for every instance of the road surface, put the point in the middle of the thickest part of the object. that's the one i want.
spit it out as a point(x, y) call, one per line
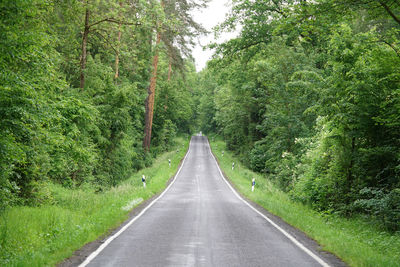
point(199, 221)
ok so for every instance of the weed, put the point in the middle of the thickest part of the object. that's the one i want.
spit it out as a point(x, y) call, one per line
point(355, 240)
point(45, 235)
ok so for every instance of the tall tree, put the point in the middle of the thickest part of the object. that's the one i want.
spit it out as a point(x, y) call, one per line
point(176, 32)
point(117, 51)
point(149, 104)
point(307, 94)
point(95, 16)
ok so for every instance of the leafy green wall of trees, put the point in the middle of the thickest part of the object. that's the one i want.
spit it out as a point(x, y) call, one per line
point(50, 127)
point(309, 94)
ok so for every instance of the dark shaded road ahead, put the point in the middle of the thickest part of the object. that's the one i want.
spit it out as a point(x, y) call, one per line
point(200, 222)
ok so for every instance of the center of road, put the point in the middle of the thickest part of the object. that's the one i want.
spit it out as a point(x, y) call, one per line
point(200, 220)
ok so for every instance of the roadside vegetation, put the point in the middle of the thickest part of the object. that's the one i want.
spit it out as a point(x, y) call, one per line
point(78, 98)
point(91, 92)
point(307, 95)
point(357, 241)
point(47, 234)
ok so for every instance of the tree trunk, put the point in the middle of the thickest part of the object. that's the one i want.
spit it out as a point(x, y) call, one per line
point(349, 172)
point(389, 11)
point(349, 182)
point(117, 56)
point(149, 105)
point(169, 69)
point(169, 79)
point(84, 48)
point(118, 48)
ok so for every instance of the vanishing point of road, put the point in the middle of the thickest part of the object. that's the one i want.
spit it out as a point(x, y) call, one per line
point(200, 221)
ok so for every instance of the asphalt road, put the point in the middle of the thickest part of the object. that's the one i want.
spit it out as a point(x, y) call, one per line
point(199, 221)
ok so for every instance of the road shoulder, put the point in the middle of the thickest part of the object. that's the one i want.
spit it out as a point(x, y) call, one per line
point(81, 254)
point(299, 235)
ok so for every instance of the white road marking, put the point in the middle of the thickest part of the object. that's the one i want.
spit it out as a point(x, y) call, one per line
point(110, 239)
point(290, 237)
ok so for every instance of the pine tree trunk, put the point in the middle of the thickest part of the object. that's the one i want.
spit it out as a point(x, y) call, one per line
point(169, 69)
point(149, 105)
point(169, 79)
point(84, 48)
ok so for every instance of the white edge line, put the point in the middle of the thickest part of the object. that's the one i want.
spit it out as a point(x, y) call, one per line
point(111, 238)
point(290, 237)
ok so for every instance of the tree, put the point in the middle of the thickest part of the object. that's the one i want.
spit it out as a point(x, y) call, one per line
point(307, 94)
point(52, 130)
point(92, 21)
point(174, 31)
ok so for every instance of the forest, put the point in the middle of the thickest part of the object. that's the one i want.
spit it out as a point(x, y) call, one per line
point(309, 95)
point(77, 90)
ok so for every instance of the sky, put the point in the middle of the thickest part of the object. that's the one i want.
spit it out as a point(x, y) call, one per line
point(210, 17)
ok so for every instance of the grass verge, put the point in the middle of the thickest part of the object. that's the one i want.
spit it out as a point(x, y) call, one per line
point(355, 241)
point(44, 236)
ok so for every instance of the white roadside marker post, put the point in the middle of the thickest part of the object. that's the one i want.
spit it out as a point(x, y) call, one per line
point(144, 180)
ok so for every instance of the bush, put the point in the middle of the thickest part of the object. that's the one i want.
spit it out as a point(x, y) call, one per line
point(381, 205)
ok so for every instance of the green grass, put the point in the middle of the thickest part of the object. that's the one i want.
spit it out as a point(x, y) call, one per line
point(356, 241)
point(44, 236)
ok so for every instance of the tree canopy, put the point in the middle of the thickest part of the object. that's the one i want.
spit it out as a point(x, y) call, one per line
point(74, 79)
point(308, 94)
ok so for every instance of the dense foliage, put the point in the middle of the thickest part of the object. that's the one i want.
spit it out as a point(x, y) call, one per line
point(309, 94)
point(74, 78)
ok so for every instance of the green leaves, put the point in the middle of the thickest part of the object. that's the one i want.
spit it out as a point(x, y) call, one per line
point(308, 94)
point(49, 130)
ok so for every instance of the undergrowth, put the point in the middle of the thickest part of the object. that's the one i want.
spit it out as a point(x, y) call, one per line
point(45, 235)
point(356, 241)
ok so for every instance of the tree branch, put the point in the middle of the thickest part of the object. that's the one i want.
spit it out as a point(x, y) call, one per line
point(105, 39)
point(394, 48)
point(389, 11)
point(113, 20)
